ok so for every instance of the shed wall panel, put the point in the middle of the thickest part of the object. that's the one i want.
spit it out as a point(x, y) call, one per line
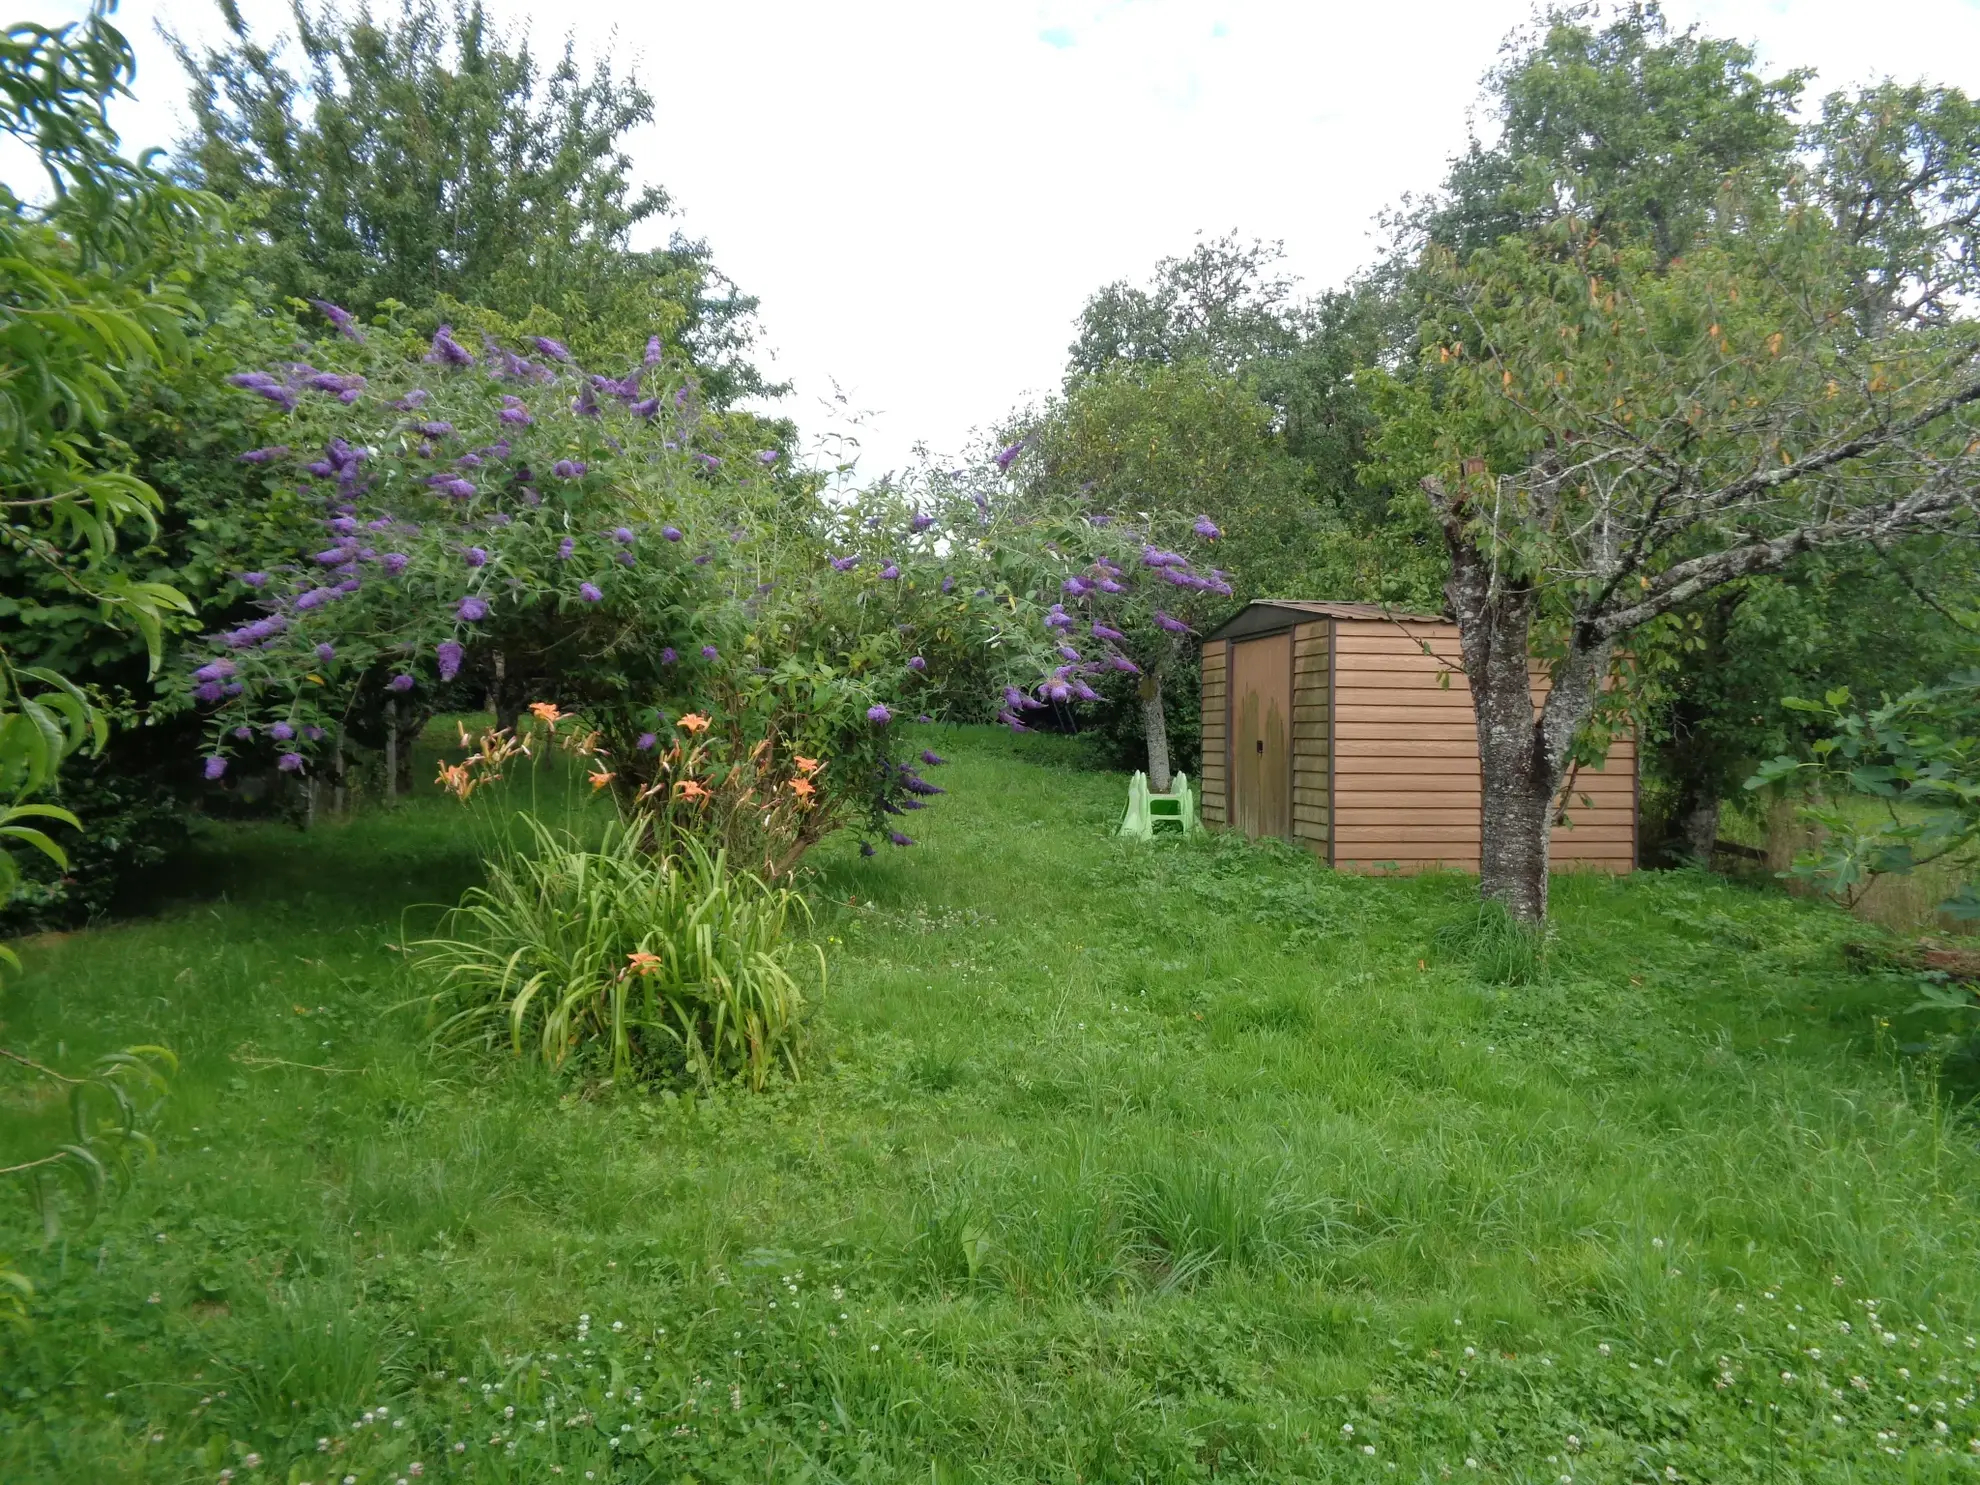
point(1406, 785)
point(1312, 712)
point(1212, 775)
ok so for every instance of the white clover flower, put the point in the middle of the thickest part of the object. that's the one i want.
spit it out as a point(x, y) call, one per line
point(1367, 1448)
point(1347, 1430)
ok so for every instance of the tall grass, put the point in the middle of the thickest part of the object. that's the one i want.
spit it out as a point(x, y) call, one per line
point(1132, 1164)
point(662, 963)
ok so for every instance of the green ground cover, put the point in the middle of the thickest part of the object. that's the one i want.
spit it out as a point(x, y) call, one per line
point(1113, 1163)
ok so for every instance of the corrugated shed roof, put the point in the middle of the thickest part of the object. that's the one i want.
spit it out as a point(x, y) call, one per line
point(1262, 615)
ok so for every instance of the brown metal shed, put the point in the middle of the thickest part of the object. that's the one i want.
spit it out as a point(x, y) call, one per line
point(1348, 727)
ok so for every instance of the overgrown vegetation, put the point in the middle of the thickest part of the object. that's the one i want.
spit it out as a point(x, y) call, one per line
point(1097, 1162)
point(1112, 1161)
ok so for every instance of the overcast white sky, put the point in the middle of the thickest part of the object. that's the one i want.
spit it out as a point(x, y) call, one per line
point(923, 192)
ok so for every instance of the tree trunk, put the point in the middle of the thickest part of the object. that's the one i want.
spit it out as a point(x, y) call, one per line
point(391, 753)
point(1698, 825)
point(1155, 727)
point(1523, 751)
point(503, 697)
point(340, 776)
point(1513, 849)
point(412, 722)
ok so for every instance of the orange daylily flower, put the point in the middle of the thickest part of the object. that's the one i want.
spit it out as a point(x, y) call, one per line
point(694, 722)
point(808, 766)
point(803, 788)
point(600, 780)
point(546, 711)
point(690, 789)
point(642, 963)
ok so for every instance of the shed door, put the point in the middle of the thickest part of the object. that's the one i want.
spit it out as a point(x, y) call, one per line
point(1261, 736)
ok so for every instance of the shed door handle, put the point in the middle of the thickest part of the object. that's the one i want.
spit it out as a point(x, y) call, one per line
point(1261, 744)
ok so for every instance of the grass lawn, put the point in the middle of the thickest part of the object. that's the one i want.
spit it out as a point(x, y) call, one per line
point(1113, 1163)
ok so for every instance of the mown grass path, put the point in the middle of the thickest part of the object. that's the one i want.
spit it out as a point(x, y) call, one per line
point(1115, 1164)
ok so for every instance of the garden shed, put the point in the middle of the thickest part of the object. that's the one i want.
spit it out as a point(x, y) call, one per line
point(1348, 728)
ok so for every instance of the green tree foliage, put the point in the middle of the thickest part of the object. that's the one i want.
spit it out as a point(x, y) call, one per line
point(1630, 127)
point(1606, 437)
point(1918, 758)
point(1178, 437)
point(1223, 303)
point(1641, 133)
point(92, 293)
point(1866, 621)
point(428, 157)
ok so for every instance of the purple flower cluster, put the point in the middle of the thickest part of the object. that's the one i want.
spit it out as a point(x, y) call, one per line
point(343, 319)
point(447, 351)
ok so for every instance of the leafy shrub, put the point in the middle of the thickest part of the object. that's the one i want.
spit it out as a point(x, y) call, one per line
point(668, 964)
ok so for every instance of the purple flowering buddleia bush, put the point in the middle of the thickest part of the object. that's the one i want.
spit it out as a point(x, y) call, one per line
point(1065, 593)
point(630, 554)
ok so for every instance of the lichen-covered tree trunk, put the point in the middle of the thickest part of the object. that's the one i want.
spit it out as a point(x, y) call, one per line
point(1698, 825)
point(1523, 750)
point(1155, 727)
